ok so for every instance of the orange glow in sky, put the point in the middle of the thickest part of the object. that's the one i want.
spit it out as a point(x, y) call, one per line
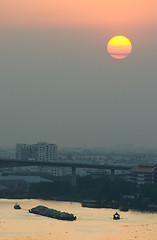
point(77, 13)
point(119, 47)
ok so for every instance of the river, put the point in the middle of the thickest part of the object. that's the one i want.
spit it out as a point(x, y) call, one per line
point(91, 224)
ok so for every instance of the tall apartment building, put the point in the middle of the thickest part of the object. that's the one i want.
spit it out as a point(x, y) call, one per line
point(39, 152)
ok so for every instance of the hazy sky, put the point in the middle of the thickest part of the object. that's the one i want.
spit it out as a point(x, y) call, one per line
point(59, 84)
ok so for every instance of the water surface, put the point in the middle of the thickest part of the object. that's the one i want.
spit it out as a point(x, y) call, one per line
point(91, 224)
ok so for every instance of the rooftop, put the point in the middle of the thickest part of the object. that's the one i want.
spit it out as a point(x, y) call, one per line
point(144, 168)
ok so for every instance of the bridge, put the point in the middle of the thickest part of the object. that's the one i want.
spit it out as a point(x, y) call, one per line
point(72, 165)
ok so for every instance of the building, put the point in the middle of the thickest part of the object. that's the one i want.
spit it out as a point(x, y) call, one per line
point(41, 151)
point(26, 152)
point(53, 171)
point(46, 152)
point(144, 173)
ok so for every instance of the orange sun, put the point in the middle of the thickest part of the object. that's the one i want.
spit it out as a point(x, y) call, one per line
point(119, 47)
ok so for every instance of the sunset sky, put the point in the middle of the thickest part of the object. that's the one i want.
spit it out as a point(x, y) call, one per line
point(60, 85)
point(77, 13)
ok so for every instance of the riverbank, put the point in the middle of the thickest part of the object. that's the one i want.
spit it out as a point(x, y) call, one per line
point(94, 204)
point(113, 193)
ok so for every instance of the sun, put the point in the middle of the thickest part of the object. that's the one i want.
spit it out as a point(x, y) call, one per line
point(119, 47)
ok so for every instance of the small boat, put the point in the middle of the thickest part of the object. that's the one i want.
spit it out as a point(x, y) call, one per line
point(116, 216)
point(17, 206)
point(90, 203)
point(123, 208)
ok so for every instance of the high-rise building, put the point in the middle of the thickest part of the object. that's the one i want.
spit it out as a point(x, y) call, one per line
point(41, 151)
